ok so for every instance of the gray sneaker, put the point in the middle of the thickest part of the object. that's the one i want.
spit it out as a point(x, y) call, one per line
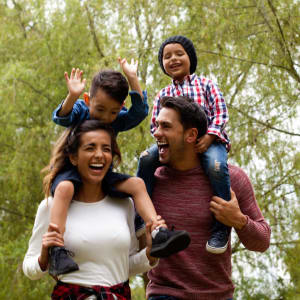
point(61, 261)
point(218, 241)
point(168, 242)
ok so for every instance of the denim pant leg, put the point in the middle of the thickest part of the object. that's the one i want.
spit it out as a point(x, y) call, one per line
point(214, 163)
point(147, 166)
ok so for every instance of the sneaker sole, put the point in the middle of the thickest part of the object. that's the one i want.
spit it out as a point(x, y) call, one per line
point(172, 246)
point(215, 250)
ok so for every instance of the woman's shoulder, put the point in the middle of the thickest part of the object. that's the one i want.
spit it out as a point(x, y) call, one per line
point(45, 205)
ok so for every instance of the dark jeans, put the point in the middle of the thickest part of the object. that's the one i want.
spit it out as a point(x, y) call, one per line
point(165, 297)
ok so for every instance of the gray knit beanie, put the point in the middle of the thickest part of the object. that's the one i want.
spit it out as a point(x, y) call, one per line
point(186, 44)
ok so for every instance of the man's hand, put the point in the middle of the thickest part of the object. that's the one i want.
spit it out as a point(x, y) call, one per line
point(204, 142)
point(228, 212)
point(75, 83)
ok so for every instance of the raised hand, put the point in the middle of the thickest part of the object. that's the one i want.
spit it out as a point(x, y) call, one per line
point(75, 83)
point(129, 70)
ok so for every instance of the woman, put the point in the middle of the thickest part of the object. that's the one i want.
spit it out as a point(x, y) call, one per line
point(99, 229)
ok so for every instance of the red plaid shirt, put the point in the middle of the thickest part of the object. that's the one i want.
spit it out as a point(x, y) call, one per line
point(69, 291)
point(204, 92)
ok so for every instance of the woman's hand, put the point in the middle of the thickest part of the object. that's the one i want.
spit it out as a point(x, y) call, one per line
point(160, 222)
point(51, 238)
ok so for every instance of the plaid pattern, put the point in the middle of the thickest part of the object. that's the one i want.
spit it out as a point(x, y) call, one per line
point(204, 92)
point(69, 291)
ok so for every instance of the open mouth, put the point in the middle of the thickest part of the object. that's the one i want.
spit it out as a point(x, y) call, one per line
point(175, 66)
point(162, 147)
point(96, 167)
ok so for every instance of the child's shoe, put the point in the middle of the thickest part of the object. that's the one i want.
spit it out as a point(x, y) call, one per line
point(61, 261)
point(218, 241)
point(167, 242)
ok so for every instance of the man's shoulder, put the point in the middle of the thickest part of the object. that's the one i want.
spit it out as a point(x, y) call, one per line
point(238, 176)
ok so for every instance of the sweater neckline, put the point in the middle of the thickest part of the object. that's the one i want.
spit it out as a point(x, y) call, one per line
point(90, 203)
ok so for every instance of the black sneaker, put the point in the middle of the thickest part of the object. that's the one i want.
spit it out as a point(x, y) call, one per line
point(61, 261)
point(168, 242)
point(218, 241)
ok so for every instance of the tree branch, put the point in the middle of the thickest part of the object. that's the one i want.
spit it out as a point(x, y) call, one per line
point(93, 31)
point(243, 59)
point(272, 244)
point(284, 45)
point(15, 213)
point(39, 92)
point(263, 123)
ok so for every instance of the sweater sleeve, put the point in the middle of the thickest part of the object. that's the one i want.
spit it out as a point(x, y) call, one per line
point(31, 267)
point(79, 113)
point(218, 110)
point(255, 235)
point(138, 111)
point(138, 261)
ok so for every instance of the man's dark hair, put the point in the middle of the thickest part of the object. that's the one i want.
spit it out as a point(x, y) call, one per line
point(113, 83)
point(191, 114)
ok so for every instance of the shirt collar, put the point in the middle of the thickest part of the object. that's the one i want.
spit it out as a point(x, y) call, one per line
point(189, 79)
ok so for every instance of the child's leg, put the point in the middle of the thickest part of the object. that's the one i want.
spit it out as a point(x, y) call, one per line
point(147, 165)
point(63, 196)
point(62, 189)
point(165, 242)
point(214, 162)
point(135, 187)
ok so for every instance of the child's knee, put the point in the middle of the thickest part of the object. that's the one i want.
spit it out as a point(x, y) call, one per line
point(217, 168)
point(65, 189)
point(137, 183)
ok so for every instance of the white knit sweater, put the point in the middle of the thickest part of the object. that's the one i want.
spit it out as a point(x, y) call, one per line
point(102, 236)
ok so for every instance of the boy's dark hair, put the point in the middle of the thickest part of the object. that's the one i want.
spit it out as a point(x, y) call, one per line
point(191, 114)
point(113, 83)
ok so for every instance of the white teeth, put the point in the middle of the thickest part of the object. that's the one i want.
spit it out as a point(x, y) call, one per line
point(161, 143)
point(97, 165)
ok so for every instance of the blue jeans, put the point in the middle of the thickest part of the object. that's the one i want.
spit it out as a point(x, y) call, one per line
point(165, 297)
point(214, 163)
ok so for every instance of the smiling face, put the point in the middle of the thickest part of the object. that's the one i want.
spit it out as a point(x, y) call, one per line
point(104, 108)
point(176, 61)
point(94, 156)
point(170, 137)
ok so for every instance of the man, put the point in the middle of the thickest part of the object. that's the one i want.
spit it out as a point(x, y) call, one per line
point(182, 195)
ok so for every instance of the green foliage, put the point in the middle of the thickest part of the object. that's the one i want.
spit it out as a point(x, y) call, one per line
point(251, 48)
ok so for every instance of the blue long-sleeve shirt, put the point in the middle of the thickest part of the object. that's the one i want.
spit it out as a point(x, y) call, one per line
point(126, 119)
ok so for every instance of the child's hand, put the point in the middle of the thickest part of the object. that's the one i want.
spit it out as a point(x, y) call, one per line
point(129, 70)
point(204, 143)
point(75, 83)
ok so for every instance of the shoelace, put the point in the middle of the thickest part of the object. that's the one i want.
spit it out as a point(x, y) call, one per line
point(69, 252)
